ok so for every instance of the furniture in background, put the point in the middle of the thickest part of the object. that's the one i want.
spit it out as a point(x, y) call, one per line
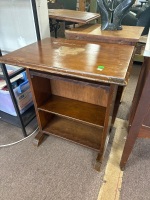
point(142, 18)
point(139, 122)
point(128, 35)
point(67, 4)
point(21, 120)
point(143, 2)
point(62, 74)
point(71, 16)
point(140, 7)
point(55, 24)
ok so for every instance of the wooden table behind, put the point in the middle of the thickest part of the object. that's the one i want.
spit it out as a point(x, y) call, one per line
point(72, 15)
point(128, 35)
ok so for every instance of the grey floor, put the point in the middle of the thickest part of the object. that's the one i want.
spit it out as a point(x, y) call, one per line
point(136, 178)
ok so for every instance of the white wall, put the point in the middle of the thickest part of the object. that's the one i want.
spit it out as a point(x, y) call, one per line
point(17, 28)
point(43, 18)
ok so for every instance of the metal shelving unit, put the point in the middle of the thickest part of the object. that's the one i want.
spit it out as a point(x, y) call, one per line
point(21, 120)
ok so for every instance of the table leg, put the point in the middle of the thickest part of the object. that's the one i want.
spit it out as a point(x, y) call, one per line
point(131, 138)
point(38, 138)
point(117, 103)
point(98, 162)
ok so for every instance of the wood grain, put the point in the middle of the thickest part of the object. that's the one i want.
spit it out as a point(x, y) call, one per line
point(72, 15)
point(77, 58)
point(128, 35)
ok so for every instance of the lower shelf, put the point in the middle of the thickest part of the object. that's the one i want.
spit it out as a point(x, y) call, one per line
point(74, 131)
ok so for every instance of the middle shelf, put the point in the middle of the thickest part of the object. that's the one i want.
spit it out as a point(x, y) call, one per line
point(76, 110)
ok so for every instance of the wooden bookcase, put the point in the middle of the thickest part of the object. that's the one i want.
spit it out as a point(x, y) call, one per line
point(66, 109)
point(74, 99)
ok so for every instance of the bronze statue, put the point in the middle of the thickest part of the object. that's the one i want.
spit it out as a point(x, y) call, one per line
point(112, 12)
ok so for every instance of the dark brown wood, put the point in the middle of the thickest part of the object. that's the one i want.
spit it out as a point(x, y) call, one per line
point(128, 35)
point(77, 110)
point(107, 125)
point(139, 123)
point(93, 33)
point(72, 15)
point(80, 91)
point(73, 98)
point(78, 59)
point(74, 131)
point(38, 138)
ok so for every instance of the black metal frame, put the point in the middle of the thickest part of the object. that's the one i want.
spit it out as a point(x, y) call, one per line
point(34, 8)
point(7, 77)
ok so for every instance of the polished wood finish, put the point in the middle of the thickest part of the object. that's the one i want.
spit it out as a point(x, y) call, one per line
point(139, 122)
point(128, 35)
point(75, 110)
point(93, 33)
point(72, 15)
point(77, 132)
point(73, 98)
point(78, 59)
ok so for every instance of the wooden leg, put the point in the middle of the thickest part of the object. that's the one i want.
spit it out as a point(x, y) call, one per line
point(98, 162)
point(117, 103)
point(38, 138)
point(138, 119)
point(131, 138)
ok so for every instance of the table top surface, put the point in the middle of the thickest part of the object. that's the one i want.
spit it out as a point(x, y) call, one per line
point(74, 58)
point(129, 34)
point(72, 15)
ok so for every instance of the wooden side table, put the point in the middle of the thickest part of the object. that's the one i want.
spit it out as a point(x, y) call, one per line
point(62, 15)
point(74, 87)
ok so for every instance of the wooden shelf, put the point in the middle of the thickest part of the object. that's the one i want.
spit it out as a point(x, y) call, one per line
point(77, 132)
point(84, 112)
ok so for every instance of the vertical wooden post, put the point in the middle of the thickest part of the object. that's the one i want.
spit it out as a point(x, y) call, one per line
point(82, 5)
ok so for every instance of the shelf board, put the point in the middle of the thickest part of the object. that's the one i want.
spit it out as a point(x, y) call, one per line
point(74, 131)
point(84, 112)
